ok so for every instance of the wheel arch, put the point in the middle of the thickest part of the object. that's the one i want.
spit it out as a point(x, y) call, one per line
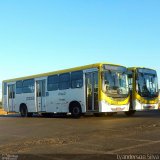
point(73, 103)
point(22, 105)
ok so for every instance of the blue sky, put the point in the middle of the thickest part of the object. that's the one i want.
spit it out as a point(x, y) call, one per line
point(45, 35)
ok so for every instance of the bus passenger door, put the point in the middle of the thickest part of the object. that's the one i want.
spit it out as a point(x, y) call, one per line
point(41, 95)
point(91, 91)
point(11, 98)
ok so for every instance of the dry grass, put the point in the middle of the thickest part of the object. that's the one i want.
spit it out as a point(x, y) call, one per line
point(2, 112)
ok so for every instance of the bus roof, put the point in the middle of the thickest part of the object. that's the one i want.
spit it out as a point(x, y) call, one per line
point(134, 68)
point(95, 65)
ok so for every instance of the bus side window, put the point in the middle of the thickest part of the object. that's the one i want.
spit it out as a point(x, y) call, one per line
point(52, 83)
point(28, 86)
point(77, 79)
point(19, 85)
point(64, 81)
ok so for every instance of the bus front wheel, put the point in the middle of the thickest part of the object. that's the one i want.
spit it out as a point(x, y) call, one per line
point(76, 111)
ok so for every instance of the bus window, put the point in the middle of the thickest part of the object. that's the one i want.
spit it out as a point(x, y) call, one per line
point(77, 79)
point(52, 84)
point(19, 85)
point(28, 86)
point(64, 81)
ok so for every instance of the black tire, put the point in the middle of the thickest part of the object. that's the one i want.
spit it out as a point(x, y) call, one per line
point(24, 111)
point(76, 111)
point(130, 113)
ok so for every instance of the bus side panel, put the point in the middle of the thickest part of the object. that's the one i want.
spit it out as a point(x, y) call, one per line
point(18, 101)
point(4, 103)
point(26, 98)
point(30, 101)
point(76, 94)
point(4, 96)
point(58, 101)
point(52, 101)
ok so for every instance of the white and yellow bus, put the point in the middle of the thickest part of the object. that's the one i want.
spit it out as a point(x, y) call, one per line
point(143, 85)
point(96, 88)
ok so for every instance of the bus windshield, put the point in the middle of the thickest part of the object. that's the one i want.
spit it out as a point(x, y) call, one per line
point(147, 83)
point(115, 83)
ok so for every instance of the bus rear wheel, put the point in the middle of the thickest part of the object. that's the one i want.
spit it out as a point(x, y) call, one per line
point(130, 113)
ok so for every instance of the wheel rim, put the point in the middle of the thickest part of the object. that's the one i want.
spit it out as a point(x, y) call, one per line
point(76, 111)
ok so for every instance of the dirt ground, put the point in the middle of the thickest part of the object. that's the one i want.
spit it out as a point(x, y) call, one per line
point(86, 138)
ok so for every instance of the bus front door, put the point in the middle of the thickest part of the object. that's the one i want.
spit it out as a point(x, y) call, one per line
point(11, 98)
point(92, 91)
point(41, 95)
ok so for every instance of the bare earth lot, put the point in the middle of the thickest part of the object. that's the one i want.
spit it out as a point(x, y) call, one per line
point(2, 112)
point(85, 138)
